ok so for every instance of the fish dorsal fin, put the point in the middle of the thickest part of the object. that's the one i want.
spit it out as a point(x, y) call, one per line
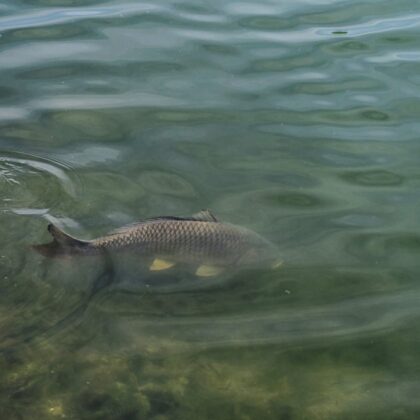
point(202, 216)
point(205, 216)
point(63, 238)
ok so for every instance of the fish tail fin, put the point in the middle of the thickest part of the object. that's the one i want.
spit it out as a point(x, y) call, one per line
point(63, 238)
point(61, 245)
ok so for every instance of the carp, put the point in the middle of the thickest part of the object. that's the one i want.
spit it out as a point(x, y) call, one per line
point(200, 240)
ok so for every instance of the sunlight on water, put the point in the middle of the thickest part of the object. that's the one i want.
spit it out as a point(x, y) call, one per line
point(296, 119)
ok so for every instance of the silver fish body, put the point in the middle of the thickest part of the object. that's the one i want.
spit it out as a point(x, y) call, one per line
point(199, 240)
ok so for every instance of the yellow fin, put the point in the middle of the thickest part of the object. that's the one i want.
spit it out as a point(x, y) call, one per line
point(208, 270)
point(159, 264)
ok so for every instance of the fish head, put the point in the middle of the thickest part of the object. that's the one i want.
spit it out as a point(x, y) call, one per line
point(260, 253)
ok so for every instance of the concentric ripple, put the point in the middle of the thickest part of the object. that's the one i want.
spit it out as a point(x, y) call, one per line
point(31, 184)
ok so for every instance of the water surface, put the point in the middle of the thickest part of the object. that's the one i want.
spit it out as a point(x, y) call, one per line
point(298, 119)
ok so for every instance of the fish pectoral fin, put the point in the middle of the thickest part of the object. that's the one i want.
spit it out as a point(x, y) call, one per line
point(158, 264)
point(208, 270)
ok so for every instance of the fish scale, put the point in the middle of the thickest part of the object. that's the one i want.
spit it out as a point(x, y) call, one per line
point(178, 237)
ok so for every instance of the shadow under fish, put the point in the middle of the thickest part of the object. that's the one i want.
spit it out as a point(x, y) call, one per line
point(31, 333)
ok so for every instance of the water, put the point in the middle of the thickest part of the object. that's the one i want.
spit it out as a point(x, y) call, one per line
point(298, 119)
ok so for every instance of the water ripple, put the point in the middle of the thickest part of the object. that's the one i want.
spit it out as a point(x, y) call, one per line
point(55, 16)
point(23, 177)
point(298, 119)
point(349, 319)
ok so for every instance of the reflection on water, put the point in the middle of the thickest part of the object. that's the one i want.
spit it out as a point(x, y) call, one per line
point(297, 120)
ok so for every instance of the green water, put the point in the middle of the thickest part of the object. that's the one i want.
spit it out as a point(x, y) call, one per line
point(297, 119)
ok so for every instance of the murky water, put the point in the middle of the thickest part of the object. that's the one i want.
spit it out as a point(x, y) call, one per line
point(297, 119)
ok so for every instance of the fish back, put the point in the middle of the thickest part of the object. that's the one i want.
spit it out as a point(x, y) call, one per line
point(180, 239)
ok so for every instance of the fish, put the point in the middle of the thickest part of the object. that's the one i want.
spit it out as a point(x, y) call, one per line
point(200, 240)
